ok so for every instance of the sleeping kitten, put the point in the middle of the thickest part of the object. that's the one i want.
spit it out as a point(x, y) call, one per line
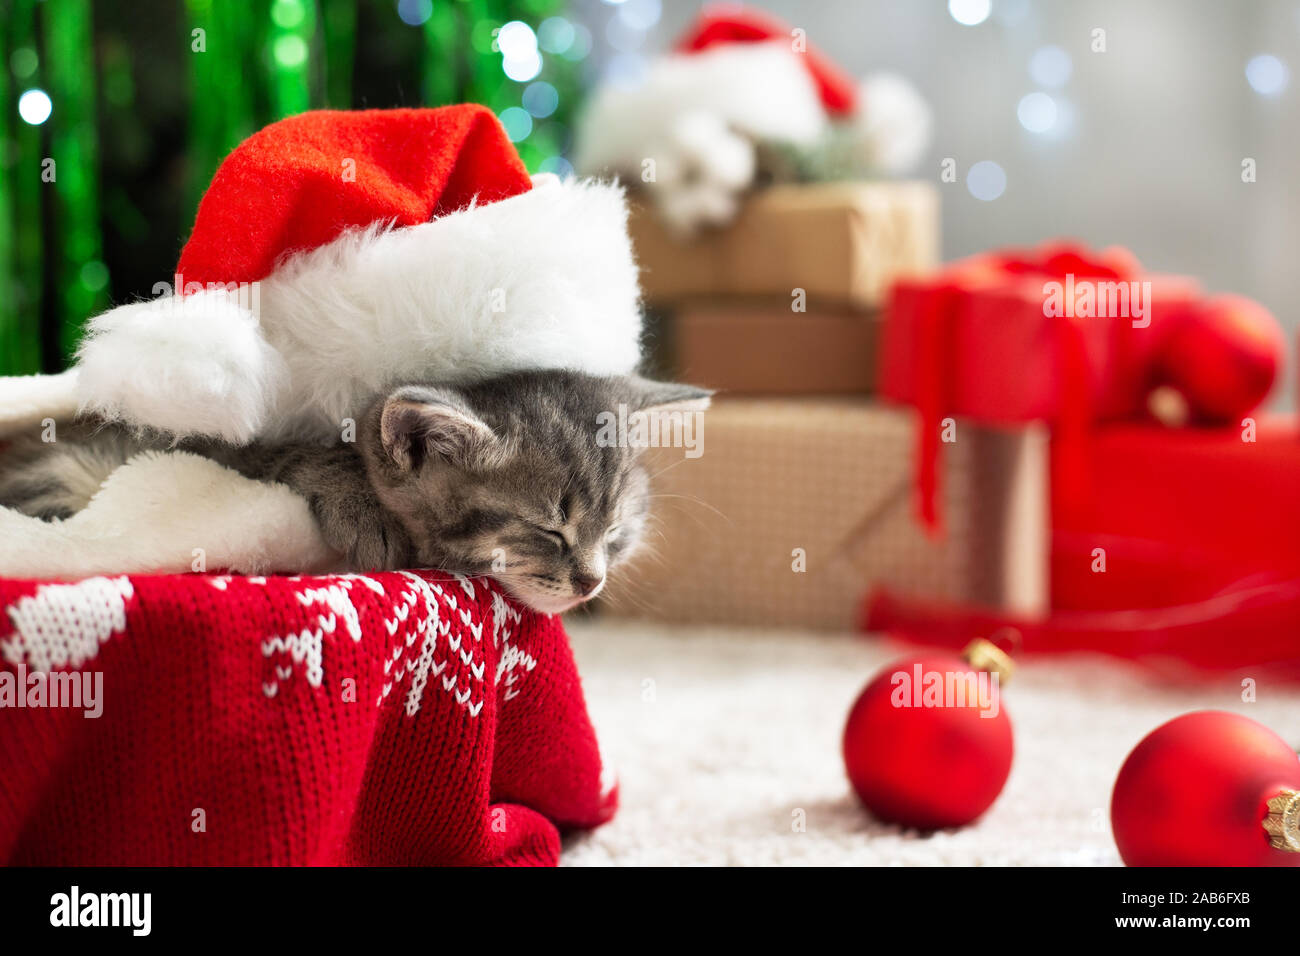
point(502, 478)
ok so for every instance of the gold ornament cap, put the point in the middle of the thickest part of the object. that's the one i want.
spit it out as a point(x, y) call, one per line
point(1283, 821)
point(984, 655)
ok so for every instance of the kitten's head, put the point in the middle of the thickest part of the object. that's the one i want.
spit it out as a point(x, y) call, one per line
point(514, 477)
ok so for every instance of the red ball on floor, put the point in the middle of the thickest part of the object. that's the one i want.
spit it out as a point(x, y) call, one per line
point(928, 744)
point(1206, 789)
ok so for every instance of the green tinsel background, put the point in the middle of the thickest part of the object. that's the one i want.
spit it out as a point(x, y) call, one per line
point(147, 97)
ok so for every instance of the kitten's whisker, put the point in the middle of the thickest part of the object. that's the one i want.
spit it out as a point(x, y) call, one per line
point(694, 500)
point(667, 468)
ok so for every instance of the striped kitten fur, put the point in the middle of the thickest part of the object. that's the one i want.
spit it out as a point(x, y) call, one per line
point(504, 478)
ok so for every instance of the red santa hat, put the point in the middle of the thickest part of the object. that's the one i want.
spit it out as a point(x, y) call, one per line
point(739, 77)
point(722, 26)
point(338, 252)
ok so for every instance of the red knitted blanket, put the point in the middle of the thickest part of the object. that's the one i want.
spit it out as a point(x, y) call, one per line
point(404, 718)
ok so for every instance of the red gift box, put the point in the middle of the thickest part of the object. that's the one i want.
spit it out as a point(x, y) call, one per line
point(1199, 532)
point(1180, 514)
point(1058, 334)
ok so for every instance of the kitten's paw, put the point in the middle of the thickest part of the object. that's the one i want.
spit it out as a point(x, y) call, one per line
point(381, 547)
point(368, 537)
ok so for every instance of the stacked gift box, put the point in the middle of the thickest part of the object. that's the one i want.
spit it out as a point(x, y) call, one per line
point(800, 502)
point(1052, 439)
point(787, 298)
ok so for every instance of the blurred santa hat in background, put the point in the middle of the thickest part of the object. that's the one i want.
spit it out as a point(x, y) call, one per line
point(692, 128)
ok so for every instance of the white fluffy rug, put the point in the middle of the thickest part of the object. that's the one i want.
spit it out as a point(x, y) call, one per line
point(719, 737)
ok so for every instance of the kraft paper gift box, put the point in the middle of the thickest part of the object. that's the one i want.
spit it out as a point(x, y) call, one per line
point(825, 484)
point(753, 347)
point(843, 243)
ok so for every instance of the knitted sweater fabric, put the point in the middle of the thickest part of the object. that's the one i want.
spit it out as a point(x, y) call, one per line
point(381, 719)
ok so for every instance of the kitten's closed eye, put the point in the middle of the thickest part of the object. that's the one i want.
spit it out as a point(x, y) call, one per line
point(555, 537)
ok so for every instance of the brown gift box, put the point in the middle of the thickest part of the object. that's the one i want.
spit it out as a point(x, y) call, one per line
point(843, 243)
point(834, 478)
point(746, 347)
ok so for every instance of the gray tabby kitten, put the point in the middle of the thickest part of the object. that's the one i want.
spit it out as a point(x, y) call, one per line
point(502, 478)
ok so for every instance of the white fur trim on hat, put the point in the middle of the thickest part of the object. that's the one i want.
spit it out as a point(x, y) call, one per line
point(544, 279)
point(28, 400)
point(192, 365)
point(153, 511)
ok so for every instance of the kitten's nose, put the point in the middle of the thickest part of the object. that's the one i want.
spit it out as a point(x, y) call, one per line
point(585, 586)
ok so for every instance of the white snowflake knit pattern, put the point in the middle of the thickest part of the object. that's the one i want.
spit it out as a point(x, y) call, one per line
point(63, 625)
point(436, 616)
point(437, 641)
point(512, 663)
point(306, 647)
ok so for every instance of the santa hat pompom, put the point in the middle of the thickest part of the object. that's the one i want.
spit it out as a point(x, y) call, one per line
point(892, 122)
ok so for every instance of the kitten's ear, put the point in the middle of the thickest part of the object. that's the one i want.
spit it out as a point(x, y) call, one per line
point(417, 423)
point(649, 395)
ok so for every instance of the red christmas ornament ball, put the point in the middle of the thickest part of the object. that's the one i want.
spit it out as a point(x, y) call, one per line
point(1207, 789)
point(1224, 357)
point(923, 766)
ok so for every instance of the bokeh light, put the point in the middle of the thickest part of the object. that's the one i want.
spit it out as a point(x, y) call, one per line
point(288, 14)
point(640, 14)
point(557, 165)
point(1037, 112)
point(970, 12)
point(520, 58)
point(1267, 75)
point(414, 12)
point(94, 275)
point(555, 35)
point(523, 69)
point(516, 40)
point(289, 50)
point(581, 44)
point(24, 61)
point(986, 180)
point(540, 99)
point(34, 107)
point(1050, 66)
point(517, 122)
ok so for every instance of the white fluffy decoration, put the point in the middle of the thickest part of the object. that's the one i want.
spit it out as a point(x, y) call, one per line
point(744, 730)
point(893, 122)
point(543, 279)
point(697, 117)
point(154, 511)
